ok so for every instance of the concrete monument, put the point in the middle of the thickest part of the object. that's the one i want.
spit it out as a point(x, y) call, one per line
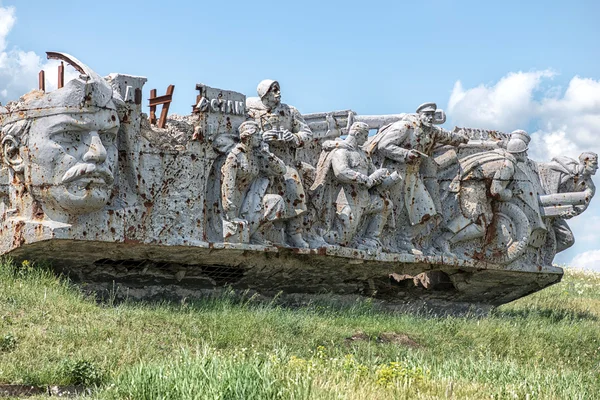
point(252, 194)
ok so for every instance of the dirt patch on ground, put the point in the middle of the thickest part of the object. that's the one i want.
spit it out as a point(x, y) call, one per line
point(398, 338)
point(359, 337)
point(385, 337)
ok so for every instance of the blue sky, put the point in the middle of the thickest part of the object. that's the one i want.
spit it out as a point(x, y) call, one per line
point(505, 65)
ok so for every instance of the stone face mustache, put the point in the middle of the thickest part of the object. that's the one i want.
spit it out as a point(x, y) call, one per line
point(87, 170)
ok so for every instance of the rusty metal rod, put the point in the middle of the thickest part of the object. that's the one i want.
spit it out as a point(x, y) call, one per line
point(42, 81)
point(162, 122)
point(61, 75)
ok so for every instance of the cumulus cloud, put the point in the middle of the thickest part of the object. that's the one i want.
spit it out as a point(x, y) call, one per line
point(570, 124)
point(587, 260)
point(19, 69)
point(563, 123)
point(504, 106)
point(7, 21)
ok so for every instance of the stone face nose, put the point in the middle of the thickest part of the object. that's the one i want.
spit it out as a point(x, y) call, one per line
point(96, 151)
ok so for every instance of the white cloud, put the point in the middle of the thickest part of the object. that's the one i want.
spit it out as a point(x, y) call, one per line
point(587, 260)
point(19, 69)
point(567, 123)
point(7, 21)
point(570, 124)
point(506, 105)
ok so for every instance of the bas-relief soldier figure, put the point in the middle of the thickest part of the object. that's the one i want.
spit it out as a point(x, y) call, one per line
point(506, 175)
point(353, 197)
point(245, 179)
point(406, 146)
point(284, 130)
point(60, 149)
point(567, 175)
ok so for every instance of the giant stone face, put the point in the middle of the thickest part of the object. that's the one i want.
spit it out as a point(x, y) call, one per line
point(70, 160)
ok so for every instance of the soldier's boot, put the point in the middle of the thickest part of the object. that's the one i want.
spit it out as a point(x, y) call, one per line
point(407, 246)
point(442, 243)
point(367, 244)
point(296, 240)
point(293, 230)
point(258, 238)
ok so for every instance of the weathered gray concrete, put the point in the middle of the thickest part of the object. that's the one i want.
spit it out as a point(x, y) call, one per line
point(253, 194)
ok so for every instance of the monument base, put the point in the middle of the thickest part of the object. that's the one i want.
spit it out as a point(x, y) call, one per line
point(146, 271)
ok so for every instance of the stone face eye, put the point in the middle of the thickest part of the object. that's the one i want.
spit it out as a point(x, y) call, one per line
point(66, 137)
point(108, 137)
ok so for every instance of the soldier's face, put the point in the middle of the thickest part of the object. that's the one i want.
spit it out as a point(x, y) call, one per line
point(70, 160)
point(361, 136)
point(273, 96)
point(591, 166)
point(521, 157)
point(253, 135)
point(427, 117)
point(256, 139)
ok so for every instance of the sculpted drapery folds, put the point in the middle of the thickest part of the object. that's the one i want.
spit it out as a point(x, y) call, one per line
point(60, 148)
point(284, 130)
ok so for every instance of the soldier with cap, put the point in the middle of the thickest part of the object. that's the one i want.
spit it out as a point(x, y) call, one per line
point(60, 148)
point(406, 146)
point(284, 130)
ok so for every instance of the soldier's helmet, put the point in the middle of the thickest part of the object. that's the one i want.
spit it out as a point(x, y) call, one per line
point(264, 87)
point(518, 142)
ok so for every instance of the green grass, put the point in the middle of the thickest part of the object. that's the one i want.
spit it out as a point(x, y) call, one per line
point(543, 346)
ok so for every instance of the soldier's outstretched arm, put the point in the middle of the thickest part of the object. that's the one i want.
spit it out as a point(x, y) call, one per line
point(450, 138)
point(590, 191)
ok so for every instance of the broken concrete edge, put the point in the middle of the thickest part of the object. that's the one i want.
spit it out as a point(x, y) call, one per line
point(352, 256)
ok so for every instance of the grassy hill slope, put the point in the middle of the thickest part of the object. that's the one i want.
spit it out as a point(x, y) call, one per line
point(544, 346)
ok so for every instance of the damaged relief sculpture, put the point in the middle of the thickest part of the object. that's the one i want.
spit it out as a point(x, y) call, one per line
point(250, 193)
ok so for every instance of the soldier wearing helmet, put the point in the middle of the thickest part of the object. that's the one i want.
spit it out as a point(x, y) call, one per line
point(505, 173)
point(284, 130)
